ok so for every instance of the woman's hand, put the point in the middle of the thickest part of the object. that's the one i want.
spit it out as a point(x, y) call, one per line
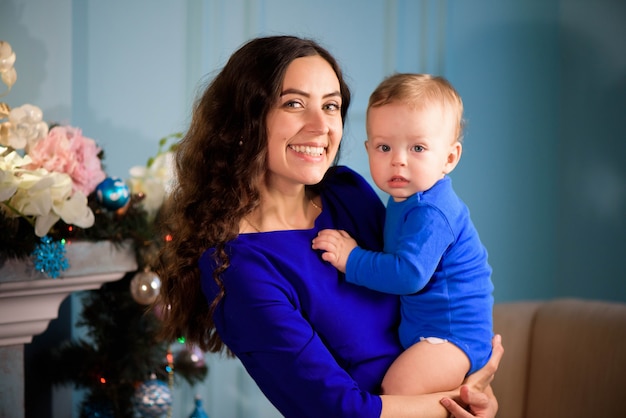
point(476, 393)
point(484, 405)
point(481, 379)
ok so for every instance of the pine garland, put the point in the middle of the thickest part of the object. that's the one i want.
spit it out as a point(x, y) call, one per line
point(120, 351)
point(18, 239)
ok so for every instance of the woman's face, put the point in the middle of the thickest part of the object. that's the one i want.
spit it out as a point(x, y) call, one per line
point(304, 127)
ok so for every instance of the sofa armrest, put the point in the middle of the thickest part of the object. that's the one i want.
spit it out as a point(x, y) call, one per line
point(578, 361)
point(514, 321)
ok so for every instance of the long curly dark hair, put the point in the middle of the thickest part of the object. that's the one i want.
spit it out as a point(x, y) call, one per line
point(219, 164)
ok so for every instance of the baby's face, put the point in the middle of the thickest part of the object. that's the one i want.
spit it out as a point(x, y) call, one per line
point(410, 149)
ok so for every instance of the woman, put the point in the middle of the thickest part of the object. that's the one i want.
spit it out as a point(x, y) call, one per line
point(255, 185)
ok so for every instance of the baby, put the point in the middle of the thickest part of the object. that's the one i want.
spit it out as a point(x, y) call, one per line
point(432, 255)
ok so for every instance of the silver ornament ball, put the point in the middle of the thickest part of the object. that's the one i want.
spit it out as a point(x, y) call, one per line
point(145, 286)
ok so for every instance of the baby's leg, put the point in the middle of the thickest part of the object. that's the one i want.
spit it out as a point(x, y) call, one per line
point(426, 367)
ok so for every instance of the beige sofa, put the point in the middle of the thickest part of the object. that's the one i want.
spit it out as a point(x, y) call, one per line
point(562, 358)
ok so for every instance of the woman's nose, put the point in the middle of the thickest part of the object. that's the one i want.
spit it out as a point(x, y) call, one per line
point(316, 121)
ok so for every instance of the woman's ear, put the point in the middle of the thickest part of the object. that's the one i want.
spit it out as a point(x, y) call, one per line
point(454, 156)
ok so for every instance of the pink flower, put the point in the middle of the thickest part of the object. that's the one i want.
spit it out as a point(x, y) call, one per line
point(66, 150)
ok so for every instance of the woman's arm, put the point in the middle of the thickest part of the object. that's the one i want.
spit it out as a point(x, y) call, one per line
point(420, 406)
point(474, 399)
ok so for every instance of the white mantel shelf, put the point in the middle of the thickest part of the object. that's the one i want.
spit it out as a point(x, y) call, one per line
point(29, 300)
point(27, 307)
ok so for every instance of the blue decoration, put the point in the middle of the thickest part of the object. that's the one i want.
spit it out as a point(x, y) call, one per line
point(97, 409)
point(112, 193)
point(198, 411)
point(49, 257)
point(152, 399)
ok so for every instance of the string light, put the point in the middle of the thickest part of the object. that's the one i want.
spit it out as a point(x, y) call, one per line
point(170, 378)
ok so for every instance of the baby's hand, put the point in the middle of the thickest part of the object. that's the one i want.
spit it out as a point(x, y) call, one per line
point(336, 245)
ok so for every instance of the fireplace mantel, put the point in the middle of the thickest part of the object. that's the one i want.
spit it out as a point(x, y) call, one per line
point(29, 300)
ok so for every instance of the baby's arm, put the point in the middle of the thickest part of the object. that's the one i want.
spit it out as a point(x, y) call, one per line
point(337, 245)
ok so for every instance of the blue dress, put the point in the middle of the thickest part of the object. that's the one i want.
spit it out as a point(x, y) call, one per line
point(316, 345)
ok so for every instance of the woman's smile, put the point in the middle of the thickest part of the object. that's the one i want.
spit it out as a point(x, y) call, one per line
point(313, 151)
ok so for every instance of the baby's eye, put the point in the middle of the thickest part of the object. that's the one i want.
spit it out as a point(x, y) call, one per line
point(384, 148)
point(417, 148)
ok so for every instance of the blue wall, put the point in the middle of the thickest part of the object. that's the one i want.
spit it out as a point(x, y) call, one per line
point(544, 85)
point(504, 60)
point(591, 171)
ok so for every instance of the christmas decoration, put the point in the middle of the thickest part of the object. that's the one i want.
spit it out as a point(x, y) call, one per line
point(152, 399)
point(98, 410)
point(119, 353)
point(198, 411)
point(154, 180)
point(113, 193)
point(46, 173)
point(66, 150)
point(190, 356)
point(53, 190)
point(7, 72)
point(49, 257)
point(144, 287)
point(121, 350)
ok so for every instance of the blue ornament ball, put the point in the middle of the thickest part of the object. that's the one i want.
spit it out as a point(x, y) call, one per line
point(113, 193)
point(152, 399)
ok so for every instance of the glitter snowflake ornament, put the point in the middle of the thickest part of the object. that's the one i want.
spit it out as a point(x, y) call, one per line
point(49, 257)
point(152, 399)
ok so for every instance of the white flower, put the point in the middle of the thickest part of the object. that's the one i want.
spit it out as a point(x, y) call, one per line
point(40, 195)
point(8, 186)
point(9, 163)
point(36, 194)
point(24, 128)
point(155, 182)
point(7, 59)
point(9, 77)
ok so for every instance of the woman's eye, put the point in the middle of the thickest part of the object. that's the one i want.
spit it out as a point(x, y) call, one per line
point(293, 104)
point(332, 106)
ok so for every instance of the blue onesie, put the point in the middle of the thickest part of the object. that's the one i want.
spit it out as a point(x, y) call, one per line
point(433, 257)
